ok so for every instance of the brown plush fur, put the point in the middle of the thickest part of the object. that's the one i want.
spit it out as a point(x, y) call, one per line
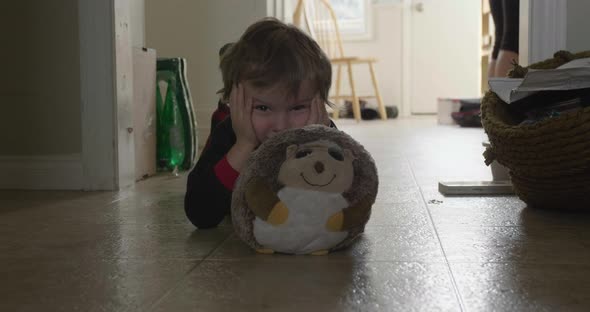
point(266, 161)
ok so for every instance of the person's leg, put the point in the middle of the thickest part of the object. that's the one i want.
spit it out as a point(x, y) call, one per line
point(504, 62)
point(497, 16)
point(509, 47)
point(492, 68)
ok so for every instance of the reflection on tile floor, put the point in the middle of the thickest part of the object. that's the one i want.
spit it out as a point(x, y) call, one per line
point(134, 250)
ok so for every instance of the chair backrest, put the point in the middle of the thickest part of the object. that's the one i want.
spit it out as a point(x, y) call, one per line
point(317, 17)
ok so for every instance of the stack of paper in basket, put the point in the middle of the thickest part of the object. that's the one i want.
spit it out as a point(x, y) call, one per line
point(544, 94)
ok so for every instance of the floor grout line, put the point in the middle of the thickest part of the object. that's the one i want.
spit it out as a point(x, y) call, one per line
point(186, 275)
point(446, 260)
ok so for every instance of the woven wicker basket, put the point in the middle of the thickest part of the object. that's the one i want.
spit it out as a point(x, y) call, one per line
point(549, 161)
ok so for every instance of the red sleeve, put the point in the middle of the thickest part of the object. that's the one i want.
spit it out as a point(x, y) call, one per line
point(226, 174)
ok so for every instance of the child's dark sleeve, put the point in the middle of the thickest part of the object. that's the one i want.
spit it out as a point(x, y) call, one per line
point(219, 115)
point(210, 183)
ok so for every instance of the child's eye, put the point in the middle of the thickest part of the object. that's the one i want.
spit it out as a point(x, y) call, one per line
point(298, 107)
point(262, 108)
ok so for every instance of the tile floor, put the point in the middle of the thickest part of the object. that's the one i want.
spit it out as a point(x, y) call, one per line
point(134, 250)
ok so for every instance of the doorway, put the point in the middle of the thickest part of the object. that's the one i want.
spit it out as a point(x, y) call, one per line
point(442, 48)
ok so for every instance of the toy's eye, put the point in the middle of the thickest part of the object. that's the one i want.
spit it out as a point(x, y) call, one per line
point(302, 153)
point(336, 153)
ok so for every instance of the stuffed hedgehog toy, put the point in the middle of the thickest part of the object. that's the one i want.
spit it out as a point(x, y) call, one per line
point(304, 191)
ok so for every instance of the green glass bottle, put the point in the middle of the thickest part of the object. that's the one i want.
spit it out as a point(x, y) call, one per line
point(171, 150)
point(161, 133)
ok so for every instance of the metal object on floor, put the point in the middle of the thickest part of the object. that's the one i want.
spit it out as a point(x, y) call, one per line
point(476, 188)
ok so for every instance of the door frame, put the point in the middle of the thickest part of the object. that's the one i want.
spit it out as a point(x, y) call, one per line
point(543, 31)
point(407, 59)
point(406, 105)
point(106, 88)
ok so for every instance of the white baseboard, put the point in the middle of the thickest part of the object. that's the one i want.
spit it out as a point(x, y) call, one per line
point(55, 172)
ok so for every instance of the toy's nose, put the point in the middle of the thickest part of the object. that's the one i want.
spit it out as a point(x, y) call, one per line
point(319, 167)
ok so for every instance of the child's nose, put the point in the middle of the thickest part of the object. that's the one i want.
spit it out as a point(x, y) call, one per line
point(281, 123)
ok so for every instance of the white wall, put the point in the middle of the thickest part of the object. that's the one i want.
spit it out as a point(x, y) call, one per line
point(196, 30)
point(386, 46)
point(40, 81)
point(578, 25)
point(40, 124)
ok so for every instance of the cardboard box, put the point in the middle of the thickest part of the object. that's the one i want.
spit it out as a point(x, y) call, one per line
point(445, 107)
point(144, 111)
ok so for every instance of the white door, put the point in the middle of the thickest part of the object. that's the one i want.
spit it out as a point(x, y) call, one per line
point(444, 52)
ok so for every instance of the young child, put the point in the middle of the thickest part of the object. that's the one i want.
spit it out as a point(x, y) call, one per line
point(275, 78)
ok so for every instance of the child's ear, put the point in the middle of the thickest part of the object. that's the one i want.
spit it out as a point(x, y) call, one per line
point(291, 150)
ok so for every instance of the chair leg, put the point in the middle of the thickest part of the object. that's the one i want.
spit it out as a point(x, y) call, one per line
point(356, 106)
point(336, 109)
point(377, 94)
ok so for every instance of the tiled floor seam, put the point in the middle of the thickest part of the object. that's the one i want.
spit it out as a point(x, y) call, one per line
point(448, 264)
point(185, 276)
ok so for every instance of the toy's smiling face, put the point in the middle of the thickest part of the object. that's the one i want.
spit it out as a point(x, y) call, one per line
point(320, 165)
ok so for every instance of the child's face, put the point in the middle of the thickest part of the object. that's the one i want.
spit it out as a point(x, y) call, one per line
point(273, 110)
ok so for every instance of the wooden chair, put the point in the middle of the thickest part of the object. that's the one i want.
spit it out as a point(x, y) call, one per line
point(317, 17)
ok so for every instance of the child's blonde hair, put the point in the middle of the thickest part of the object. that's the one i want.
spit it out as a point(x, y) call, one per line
point(271, 52)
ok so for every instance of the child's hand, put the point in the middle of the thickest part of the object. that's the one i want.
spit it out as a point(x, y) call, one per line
point(318, 114)
point(241, 117)
point(241, 120)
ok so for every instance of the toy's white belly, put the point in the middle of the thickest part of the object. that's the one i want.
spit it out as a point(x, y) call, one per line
point(305, 229)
